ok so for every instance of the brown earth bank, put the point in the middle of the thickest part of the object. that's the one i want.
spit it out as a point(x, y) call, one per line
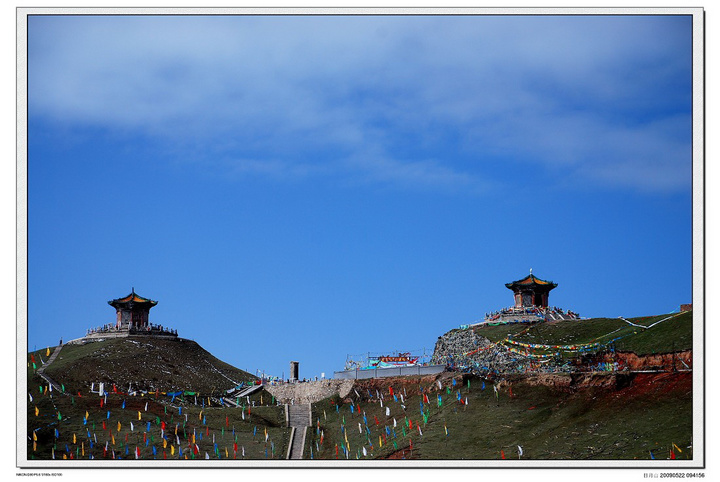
point(628, 383)
point(410, 385)
point(681, 360)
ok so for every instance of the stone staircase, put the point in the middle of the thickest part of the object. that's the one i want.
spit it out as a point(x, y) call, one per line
point(41, 370)
point(299, 417)
point(297, 443)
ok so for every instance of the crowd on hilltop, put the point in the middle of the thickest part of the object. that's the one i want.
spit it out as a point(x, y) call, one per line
point(115, 327)
point(560, 311)
point(529, 310)
point(513, 310)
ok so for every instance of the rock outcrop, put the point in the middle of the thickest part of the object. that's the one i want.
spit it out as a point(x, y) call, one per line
point(478, 354)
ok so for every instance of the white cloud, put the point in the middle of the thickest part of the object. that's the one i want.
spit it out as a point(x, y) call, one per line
point(381, 97)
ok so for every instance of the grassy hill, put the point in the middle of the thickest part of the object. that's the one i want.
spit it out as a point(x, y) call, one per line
point(145, 364)
point(673, 334)
point(82, 425)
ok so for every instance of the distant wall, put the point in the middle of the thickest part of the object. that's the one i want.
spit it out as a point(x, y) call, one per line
point(687, 307)
point(390, 372)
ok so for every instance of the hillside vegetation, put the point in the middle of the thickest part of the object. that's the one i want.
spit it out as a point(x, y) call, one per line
point(673, 334)
point(121, 427)
point(636, 416)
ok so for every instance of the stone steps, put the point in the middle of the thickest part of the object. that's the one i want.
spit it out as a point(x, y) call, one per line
point(299, 417)
point(41, 371)
point(297, 443)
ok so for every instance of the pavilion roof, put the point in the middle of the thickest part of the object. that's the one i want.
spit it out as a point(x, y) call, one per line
point(531, 280)
point(134, 298)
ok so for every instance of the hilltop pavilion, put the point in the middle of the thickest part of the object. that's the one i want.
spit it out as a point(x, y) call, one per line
point(133, 311)
point(531, 291)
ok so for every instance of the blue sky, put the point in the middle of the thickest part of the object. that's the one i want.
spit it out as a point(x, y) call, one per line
point(305, 187)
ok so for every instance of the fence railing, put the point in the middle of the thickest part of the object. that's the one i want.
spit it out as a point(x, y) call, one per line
point(359, 374)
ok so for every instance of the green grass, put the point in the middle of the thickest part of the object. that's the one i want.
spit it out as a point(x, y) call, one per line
point(669, 336)
point(587, 424)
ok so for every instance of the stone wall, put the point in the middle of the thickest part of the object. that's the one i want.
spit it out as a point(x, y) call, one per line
point(309, 392)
